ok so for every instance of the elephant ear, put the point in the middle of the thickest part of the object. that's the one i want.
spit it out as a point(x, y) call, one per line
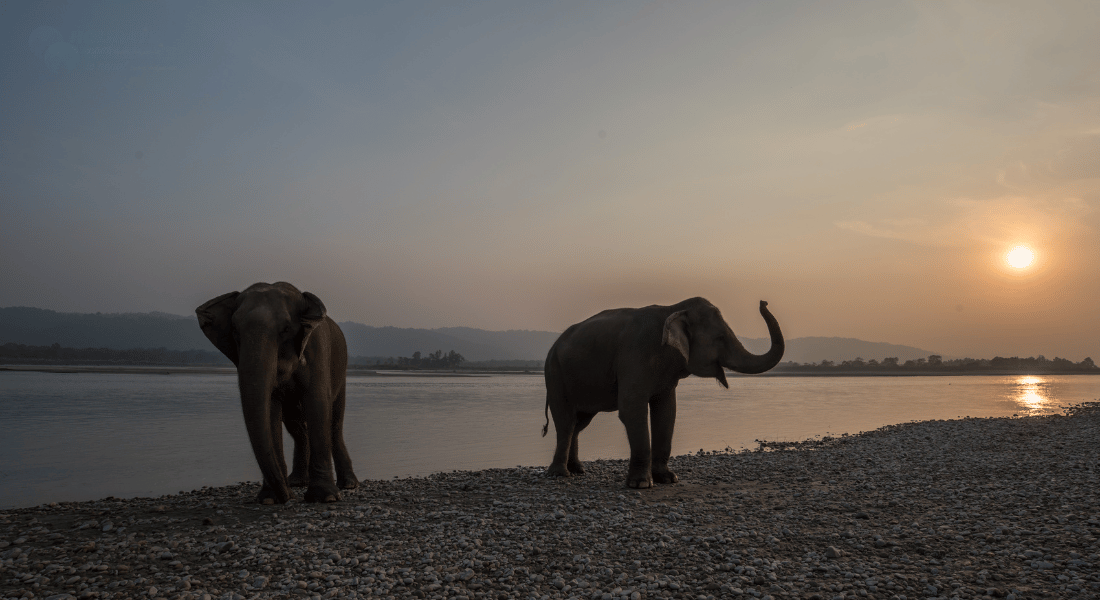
point(675, 332)
point(311, 318)
point(216, 321)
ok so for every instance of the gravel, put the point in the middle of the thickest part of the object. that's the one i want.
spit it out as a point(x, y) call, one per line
point(972, 508)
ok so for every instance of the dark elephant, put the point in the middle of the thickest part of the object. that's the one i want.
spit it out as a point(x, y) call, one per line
point(630, 360)
point(292, 364)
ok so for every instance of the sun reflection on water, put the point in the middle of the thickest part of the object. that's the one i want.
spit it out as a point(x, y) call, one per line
point(1032, 394)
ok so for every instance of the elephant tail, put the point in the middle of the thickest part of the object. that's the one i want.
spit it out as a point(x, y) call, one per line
point(551, 371)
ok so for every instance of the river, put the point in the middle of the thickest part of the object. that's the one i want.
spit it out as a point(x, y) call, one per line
point(85, 436)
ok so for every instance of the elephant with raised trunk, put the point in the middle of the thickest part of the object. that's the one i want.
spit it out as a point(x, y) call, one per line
point(630, 360)
point(292, 365)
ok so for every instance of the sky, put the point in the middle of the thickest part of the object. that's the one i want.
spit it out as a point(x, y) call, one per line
point(864, 167)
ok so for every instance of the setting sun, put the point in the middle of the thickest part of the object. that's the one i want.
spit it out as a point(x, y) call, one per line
point(1020, 257)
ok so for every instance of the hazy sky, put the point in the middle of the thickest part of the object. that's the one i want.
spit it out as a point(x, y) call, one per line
point(863, 166)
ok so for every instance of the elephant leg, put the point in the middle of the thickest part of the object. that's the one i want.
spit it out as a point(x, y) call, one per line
point(564, 421)
point(634, 414)
point(575, 465)
point(295, 423)
point(345, 476)
point(318, 413)
point(662, 419)
point(277, 436)
point(261, 418)
point(564, 424)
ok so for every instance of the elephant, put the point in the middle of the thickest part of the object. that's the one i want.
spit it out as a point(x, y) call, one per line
point(630, 360)
point(291, 361)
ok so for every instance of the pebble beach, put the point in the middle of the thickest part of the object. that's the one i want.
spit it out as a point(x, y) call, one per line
point(970, 508)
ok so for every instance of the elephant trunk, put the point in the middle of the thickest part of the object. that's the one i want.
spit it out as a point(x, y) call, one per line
point(743, 361)
point(256, 378)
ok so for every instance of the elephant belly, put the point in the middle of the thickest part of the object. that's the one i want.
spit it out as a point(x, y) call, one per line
point(593, 399)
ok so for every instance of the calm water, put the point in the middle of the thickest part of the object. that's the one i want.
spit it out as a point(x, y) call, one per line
point(87, 436)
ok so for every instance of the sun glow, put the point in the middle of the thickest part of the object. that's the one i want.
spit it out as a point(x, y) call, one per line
point(1031, 393)
point(1020, 257)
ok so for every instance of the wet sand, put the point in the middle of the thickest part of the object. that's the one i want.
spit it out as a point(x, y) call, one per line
point(972, 508)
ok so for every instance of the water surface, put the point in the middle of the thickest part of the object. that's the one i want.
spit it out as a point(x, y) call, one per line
point(86, 436)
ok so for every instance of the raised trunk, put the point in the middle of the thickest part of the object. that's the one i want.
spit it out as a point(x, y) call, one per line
point(743, 361)
point(256, 378)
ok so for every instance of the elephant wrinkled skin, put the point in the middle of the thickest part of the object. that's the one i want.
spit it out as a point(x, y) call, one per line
point(630, 360)
point(291, 363)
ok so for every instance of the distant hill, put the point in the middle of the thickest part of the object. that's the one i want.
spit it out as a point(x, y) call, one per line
point(836, 349)
point(473, 344)
point(119, 331)
point(40, 327)
point(125, 331)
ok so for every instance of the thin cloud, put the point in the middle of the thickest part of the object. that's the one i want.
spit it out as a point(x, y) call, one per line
point(996, 221)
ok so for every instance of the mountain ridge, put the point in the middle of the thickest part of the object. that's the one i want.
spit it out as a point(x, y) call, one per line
point(124, 331)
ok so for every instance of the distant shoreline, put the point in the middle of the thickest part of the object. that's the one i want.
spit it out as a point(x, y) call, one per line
point(212, 370)
point(371, 372)
point(1008, 372)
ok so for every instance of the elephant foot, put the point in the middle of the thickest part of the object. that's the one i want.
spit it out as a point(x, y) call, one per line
point(322, 492)
point(557, 470)
point(297, 480)
point(273, 495)
point(639, 482)
point(347, 482)
point(576, 467)
point(665, 477)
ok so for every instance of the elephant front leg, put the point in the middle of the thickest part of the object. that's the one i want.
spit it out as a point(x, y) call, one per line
point(276, 420)
point(662, 417)
point(262, 420)
point(634, 415)
point(345, 476)
point(318, 414)
point(295, 423)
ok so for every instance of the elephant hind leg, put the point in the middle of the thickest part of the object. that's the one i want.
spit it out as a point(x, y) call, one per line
point(574, 464)
point(564, 419)
point(564, 425)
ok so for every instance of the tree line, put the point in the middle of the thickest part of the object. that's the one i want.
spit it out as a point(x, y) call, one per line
point(936, 364)
point(434, 360)
point(13, 353)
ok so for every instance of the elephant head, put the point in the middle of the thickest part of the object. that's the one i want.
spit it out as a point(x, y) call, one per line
point(708, 345)
point(262, 320)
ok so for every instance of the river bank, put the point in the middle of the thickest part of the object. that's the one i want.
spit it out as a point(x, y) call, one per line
point(971, 508)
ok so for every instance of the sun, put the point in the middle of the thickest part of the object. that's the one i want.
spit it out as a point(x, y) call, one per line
point(1020, 257)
